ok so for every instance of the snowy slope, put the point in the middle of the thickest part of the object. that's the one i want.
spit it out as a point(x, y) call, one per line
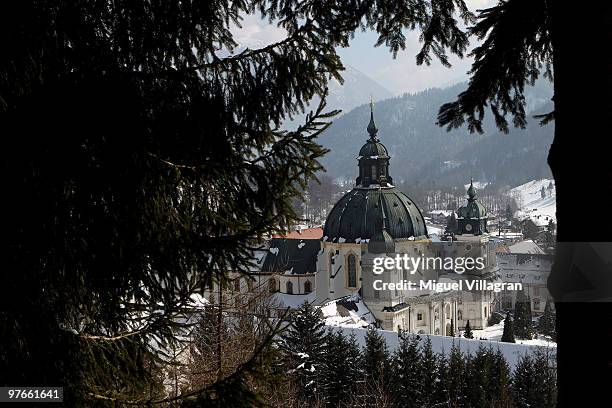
point(528, 196)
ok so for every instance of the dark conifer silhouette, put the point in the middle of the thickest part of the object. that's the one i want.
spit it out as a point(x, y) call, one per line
point(508, 334)
point(467, 333)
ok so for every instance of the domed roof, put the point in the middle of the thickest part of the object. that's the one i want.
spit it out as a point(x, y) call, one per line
point(472, 209)
point(373, 149)
point(359, 214)
point(374, 210)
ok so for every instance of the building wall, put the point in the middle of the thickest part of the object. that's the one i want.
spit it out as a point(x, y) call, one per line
point(532, 270)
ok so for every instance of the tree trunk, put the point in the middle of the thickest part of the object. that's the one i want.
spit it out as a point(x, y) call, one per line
point(582, 169)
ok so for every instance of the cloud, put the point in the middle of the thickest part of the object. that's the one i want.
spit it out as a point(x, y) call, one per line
point(256, 33)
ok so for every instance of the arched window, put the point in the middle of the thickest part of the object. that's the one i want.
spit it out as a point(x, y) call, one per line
point(307, 287)
point(290, 287)
point(352, 271)
point(331, 264)
point(374, 172)
point(272, 285)
point(459, 315)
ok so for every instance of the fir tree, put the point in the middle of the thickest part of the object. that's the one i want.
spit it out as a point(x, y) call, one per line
point(523, 385)
point(546, 324)
point(145, 165)
point(478, 373)
point(304, 344)
point(500, 381)
point(451, 223)
point(509, 213)
point(407, 370)
point(375, 361)
point(508, 334)
point(522, 316)
point(455, 377)
point(467, 333)
point(534, 384)
point(544, 379)
point(341, 361)
point(432, 370)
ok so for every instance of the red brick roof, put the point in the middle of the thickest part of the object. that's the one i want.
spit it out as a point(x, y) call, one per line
point(308, 233)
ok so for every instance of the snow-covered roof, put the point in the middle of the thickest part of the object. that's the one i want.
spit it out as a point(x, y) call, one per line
point(348, 311)
point(525, 247)
point(285, 300)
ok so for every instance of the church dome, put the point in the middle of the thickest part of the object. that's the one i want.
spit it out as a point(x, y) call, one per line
point(359, 214)
point(374, 210)
point(373, 149)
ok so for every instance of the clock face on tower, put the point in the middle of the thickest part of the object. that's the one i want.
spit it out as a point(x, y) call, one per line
point(468, 227)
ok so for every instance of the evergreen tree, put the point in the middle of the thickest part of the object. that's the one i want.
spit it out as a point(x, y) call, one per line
point(304, 344)
point(552, 227)
point(145, 164)
point(406, 371)
point(432, 370)
point(467, 333)
point(451, 223)
point(544, 379)
point(509, 213)
point(440, 377)
point(546, 324)
point(341, 361)
point(455, 384)
point(478, 373)
point(500, 381)
point(522, 316)
point(376, 361)
point(534, 382)
point(524, 383)
point(508, 334)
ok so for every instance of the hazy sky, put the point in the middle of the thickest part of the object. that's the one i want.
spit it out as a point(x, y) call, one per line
point(398, 75)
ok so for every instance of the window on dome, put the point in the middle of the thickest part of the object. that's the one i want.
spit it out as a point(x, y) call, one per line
point(352, 271)
point(289, 288)
point(374, 172)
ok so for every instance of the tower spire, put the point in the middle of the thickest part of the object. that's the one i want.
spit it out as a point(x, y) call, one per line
point(471, 190)
point(372, 130)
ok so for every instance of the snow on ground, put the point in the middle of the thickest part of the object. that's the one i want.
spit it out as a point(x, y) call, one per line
point(432, 229)
point(495, 333)
point(443, 344)
point(528, 196)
